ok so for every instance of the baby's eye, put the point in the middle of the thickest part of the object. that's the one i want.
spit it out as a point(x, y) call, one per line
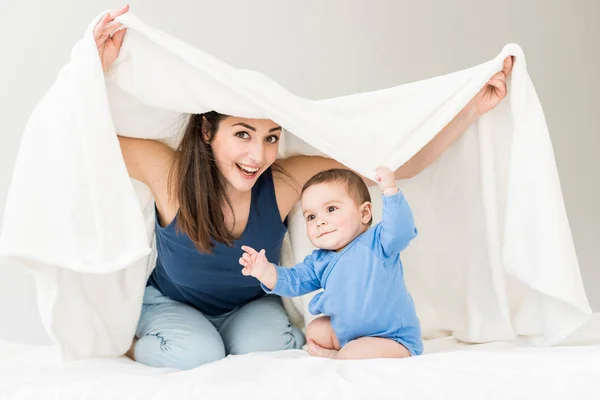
point(242, 135)
point(310, 217)
point(272, 139)
point(331, 209)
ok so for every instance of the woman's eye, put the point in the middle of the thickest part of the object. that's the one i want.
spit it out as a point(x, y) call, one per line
point(273, 139)
point(242, 135)
point(331, 209)
point(310, 217)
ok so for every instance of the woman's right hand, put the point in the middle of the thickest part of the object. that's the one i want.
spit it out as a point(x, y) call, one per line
point(107, 40)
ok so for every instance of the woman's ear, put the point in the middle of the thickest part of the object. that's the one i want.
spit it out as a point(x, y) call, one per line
point(366, 212)
point(206, 128)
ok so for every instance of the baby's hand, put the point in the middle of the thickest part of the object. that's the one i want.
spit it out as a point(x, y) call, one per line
point(386, 180)
point(255, 263)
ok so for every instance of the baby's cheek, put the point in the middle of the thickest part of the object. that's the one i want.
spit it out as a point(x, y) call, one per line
point(340, 221)
point(312, 237)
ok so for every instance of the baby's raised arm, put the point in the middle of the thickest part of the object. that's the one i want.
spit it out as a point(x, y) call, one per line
point(397, 226)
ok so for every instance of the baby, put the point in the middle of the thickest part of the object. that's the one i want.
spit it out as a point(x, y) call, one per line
point(368, 310)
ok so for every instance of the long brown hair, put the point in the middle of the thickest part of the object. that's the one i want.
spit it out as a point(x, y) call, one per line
point(198, 186)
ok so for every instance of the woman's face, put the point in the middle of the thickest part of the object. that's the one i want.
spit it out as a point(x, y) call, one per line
point(244, 148)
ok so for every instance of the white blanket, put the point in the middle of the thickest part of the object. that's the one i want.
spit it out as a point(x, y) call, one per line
point(495, 258)
point(485, 371)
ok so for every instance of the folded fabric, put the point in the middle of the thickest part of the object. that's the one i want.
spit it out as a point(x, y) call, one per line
point(494, 260)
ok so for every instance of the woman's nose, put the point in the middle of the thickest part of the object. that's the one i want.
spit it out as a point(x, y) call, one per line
point(257, 153)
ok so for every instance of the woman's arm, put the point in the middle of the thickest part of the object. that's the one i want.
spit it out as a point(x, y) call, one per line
point(301, 168)
point(436, 147)
point(108, 37)
point(149, 161)
point(488, 98)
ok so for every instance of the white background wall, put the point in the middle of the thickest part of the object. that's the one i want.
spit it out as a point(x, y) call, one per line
point(327, 48)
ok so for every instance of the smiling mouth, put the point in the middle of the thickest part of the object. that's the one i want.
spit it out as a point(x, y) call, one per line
point(247, 171)
point(326, 233)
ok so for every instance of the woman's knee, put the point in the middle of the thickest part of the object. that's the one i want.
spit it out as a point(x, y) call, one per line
point(175, 335)
point(181, 353)
point(261, 326)
point(267, 338)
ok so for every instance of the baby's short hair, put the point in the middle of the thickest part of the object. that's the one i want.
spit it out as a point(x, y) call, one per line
point(355, 186)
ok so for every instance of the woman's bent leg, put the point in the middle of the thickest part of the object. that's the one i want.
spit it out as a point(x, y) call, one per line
point(175, 335)
point(261, 325)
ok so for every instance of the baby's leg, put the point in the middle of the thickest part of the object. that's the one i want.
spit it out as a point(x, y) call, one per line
point(372, 347)
point(321, 339)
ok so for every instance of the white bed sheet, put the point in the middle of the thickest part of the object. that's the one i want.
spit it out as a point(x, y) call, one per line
point(449, 370)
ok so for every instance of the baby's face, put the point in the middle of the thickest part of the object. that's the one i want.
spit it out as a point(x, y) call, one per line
point(333, 219)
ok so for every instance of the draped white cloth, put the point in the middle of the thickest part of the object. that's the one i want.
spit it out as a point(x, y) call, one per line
point(495, 257)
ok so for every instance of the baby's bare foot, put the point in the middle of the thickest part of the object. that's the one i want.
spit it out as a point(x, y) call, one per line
point(317, 351)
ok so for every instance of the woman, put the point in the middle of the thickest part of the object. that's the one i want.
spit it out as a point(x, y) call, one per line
point(222, 187)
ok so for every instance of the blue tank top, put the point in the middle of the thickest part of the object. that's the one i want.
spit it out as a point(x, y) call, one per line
point(213, 283)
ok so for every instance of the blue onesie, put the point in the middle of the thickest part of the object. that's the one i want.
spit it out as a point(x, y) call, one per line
point(364, 291)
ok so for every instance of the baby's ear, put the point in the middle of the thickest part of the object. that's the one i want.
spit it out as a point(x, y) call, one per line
point(366, 211)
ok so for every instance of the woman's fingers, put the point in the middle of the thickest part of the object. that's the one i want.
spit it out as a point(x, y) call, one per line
point(99, 28)
point(118, 37)
point(501, 87)
point(106, 26)
point(498, 81)
point(508, 65)
point(111, 28)
point(119, 11)
point(498, 76)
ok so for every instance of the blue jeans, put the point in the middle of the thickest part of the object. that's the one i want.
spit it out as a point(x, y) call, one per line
point(173, 334)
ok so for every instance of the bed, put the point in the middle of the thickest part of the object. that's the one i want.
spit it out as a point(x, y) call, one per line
point(494, 279)
point(448, 369)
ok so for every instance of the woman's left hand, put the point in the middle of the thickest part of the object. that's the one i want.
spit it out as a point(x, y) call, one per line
point(494, 91)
